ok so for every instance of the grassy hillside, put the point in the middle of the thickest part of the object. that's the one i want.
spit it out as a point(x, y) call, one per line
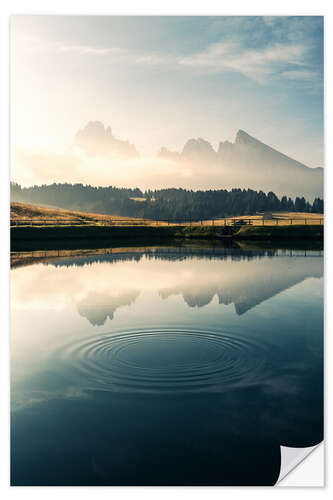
point(24, 213)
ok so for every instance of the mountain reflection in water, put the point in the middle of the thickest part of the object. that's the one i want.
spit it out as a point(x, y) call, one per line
point(194, 366)
point(244, 279)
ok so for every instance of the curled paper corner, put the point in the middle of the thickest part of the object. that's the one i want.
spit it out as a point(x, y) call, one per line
point(291, 458)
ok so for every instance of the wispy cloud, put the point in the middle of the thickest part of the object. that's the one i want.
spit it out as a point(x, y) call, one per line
point(257, 64)
point(300, 74)
point(90, 50)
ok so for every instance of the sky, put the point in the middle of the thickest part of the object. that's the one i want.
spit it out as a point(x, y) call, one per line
point(159, 81)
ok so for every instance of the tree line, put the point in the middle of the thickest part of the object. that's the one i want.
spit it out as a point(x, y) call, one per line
point(161, 204)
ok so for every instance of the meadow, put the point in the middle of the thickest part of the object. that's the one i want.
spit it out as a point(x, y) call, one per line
point(32, 215)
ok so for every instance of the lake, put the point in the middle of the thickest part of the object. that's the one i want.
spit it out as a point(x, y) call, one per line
point(164, 365)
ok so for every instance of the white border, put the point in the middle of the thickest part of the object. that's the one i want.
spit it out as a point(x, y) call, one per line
point(144, 7)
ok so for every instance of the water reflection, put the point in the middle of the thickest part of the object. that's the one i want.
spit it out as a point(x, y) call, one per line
point(193, 368)
point(98, 307)
point(100, 284)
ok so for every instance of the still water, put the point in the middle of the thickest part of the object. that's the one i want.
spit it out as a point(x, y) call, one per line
point(164, 366)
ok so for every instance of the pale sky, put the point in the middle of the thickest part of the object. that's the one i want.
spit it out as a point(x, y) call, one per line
point(159, 81)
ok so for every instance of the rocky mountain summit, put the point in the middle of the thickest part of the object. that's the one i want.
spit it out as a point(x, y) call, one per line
point(248, 162)
point(96, 140)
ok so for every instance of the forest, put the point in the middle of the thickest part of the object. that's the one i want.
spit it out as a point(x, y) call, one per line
point(161, 204)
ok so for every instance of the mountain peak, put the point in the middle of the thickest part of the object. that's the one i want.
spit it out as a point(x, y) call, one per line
point(243, 137)
point(198, 146)
point(97, 140)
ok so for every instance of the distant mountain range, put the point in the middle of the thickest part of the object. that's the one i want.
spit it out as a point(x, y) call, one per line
point(249, 163)
point(246, 163)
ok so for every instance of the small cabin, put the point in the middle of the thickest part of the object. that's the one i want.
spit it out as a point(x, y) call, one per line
point(266, 215)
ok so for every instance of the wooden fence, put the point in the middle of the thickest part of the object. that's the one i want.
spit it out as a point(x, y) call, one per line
point(229, 221)
point(165, 251)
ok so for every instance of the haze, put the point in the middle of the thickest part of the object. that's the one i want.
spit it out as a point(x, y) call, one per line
point(158, 82)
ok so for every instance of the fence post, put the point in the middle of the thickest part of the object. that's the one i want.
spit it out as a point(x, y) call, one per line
point(305, 221)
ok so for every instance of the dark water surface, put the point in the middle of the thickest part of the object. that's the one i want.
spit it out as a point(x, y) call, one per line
point(164, 366)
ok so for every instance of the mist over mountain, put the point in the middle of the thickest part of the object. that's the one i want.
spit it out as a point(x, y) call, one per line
point(249, 163)
point(96, 140)
point(196, 182)
point(244, 163)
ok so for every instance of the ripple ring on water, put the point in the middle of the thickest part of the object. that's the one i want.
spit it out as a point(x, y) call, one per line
point(165, 360)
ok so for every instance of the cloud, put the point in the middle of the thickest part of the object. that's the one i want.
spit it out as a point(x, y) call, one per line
point(292, 27)
point(91, 50)
point(256, 64)
point(221, 57)
point(34, 44)
point(258, 57)
point(300, 74)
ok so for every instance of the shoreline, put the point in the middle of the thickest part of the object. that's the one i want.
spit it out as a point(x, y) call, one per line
point(181, 250)
point(72, 236)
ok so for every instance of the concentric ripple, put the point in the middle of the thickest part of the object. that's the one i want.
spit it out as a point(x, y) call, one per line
point(165, 360)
